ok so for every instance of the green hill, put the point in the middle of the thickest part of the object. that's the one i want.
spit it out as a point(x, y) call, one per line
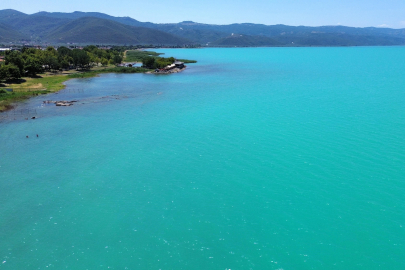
point(98, 31)
point(78, 14)
point(201, 36)
point(245, 41)
point(37, 27)
point(31, 25)
point(9, 34)
point(78, 27)
point(10, 14)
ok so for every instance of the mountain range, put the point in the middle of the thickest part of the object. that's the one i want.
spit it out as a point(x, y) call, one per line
point(99, 28)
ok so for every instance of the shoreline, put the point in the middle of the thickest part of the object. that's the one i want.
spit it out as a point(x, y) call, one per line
point(171, 71)
point(52, 83)
point(12, 92)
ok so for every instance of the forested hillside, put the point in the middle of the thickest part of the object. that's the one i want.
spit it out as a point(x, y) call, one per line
point(94, 27)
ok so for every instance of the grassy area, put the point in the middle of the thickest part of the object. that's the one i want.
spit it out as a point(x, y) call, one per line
point(48, 83)
point(138, 55)
point(28, 87)
point(93, 73)
point(7, 98)
point(186, 61)
point(53, 82)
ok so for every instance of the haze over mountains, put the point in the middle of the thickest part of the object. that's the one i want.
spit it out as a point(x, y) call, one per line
point(99, 28)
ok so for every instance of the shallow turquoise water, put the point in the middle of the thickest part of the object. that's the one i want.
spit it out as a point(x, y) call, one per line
point(254, 158)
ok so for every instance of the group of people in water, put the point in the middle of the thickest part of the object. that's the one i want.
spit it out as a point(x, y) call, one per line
point(28, 137)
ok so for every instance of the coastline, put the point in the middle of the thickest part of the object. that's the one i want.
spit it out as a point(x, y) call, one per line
point(171, 71)
point(51, 83)
point(12, 92)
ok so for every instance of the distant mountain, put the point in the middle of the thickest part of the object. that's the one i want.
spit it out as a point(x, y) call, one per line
point(303, 35)
point(77, 27)
point(9, 34)
point(7, 14)
point(78, 14)
point(246, 41)
point(201, 36)
point(338, 39)
point(61, 27)
point(35, 27)
point(95, 31)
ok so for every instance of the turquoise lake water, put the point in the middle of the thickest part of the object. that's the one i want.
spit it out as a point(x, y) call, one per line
point(253, 158)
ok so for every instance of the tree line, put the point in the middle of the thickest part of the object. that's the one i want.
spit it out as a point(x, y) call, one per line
point(32, 61)
point(157, 62)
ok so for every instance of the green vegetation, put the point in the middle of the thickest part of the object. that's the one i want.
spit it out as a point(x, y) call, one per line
point(93, 27)
point(28, 87)
point(8, 98)
point(186, 61)
point(94, 73)
point(8, 34)
point(30, 61)
point(152, 60)
point(139, 56)
point(102, 31)
point(125, 70)
point(31, 72)
point(48, 83)
point(157, 62)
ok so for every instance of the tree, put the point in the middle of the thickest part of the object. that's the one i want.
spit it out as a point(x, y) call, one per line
point(162, 62)
point(90, 48)
point(14, 72)
point(33, 65)
point(9, 71)
point(80, 58)
point(51, 61)
point(15, 58)
point(50, 58)
point(104, 62)
point(63, 51)
point(117, 59)
point(148, 62)
point(65, 61)
point(51, 50)
point(4, 74)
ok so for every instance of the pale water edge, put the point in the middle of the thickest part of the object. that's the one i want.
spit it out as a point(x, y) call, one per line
point(253, 158)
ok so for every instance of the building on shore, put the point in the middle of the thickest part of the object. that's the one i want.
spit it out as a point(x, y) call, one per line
point(175, 67)
point(179, 64)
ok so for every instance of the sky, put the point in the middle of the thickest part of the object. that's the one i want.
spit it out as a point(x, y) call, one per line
point(358, 13)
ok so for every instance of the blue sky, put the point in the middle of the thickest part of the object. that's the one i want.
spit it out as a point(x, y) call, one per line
point(360, 13)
